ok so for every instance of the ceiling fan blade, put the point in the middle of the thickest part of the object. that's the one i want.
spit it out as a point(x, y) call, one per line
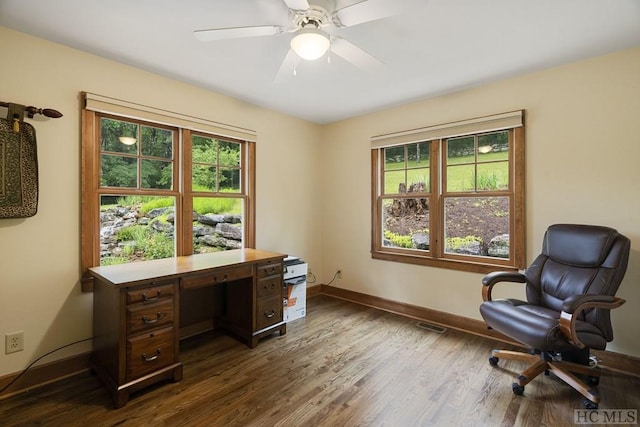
point(237, 32)
point(297, 4)
point(288, 67)
point(353, 54)
point(366, 11)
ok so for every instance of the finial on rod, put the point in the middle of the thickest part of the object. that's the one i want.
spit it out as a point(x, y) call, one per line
point(31, 111)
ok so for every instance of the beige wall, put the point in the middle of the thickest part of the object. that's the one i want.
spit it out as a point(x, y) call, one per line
point(39, 256)
point(582, 148)
point(582, 155)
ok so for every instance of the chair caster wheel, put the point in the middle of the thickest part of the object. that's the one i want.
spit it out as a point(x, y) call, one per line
point(587, 404)
point(593, 380)
point(493, 361)
point(517, 389)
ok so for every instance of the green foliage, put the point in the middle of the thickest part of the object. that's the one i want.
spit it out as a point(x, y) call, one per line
point(199, 248)
point(158, 246)
point(113, 260)
point(111, 130)
point(460, 148)
point(454, 243)
point(133, 200)
point(416, 155)
point(462, 178)
point(201, 205)
point(398, 240)
point(156, 142)
point(214, 162)
point(135, 232)
point(155, 203)
point(119, 162)
point(488, 181)
point(200, 188)
point(216, 205)
point(118, 171)
point(145, 203)
point(146, 242)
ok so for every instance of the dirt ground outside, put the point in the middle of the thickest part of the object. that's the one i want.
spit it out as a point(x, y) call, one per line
point(482, 217)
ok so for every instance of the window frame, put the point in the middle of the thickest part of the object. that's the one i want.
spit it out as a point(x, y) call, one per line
point(436, 255)
point(181, 187)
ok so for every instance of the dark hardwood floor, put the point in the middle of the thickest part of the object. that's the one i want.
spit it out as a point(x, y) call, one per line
point(342, 365)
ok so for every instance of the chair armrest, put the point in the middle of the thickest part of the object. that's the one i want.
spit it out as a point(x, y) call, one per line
point(574, 305)
point(491, 279)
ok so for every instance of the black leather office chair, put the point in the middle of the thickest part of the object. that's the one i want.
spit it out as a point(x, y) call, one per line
point(570, 291)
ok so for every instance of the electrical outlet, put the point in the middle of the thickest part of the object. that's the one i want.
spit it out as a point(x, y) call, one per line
point(339, 274)
point(14, 342)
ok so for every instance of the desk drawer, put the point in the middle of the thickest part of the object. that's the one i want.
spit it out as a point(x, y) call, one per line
point(269, 287)
point(149, 352)
point(144, 317)
point(215, 277)
point(269, 269)
point(268, 312)
point(150, 295)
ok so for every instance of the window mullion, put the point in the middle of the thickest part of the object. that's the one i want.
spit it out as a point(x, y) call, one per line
point(377, 189)
point(435, 232)
point(186, 193)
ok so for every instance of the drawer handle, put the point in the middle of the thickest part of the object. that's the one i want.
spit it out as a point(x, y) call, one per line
point(269, 286)
point(149, 321)
point(151, 358)
point(270, 314)
point(224, 279)
point(146, 298)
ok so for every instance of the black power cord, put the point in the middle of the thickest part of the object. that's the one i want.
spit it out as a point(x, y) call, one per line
point(334, 277)
point(24, 371)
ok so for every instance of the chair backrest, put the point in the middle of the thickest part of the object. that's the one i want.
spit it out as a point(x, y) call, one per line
point(577, 260)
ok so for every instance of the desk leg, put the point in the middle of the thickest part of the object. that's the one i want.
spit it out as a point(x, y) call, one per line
point(253, 341)
point(120, 398)
point(177, 374)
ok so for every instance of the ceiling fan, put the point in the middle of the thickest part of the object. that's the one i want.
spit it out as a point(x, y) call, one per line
point(313, 23)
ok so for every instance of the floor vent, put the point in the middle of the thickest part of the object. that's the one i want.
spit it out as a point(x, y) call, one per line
point(432, 328)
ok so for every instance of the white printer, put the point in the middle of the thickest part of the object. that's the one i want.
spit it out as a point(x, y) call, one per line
point(295, 282)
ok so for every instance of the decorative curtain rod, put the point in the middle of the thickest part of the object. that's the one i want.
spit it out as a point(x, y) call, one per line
point(31, 111)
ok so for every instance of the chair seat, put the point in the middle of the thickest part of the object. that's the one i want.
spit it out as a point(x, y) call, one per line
point(536, 327)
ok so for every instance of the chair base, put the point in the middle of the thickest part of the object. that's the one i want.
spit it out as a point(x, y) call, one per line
point(539, 363)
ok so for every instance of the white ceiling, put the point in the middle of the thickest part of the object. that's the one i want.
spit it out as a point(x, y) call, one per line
point(433, 47)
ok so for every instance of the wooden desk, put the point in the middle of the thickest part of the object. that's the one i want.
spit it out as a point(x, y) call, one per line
point(142, 309)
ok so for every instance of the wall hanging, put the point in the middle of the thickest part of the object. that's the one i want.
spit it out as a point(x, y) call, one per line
point(19, 161)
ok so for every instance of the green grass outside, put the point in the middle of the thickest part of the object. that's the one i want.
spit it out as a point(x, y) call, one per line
point(491, 176)
point(201, 205)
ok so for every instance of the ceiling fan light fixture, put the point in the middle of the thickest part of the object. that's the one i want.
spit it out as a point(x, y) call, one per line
point(310, 43)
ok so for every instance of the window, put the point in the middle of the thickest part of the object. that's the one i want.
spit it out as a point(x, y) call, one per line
point(452, 195)
point(154, 189)
point(137, 190)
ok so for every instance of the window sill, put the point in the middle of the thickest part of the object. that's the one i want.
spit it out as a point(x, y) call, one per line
point(474, 267)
